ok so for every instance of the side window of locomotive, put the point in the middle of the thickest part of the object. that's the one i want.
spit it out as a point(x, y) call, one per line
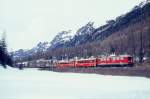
point(121, 58)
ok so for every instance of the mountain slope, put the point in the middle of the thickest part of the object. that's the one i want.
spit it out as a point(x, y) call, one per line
point(82, 35)
point(124, 28)
point(60, 39)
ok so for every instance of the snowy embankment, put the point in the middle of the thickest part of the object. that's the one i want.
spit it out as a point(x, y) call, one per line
point(34, 84)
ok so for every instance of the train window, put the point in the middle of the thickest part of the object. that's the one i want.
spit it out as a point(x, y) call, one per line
point(121, 58)
point(86, 61)
point(108, 59)
point(81, 61)
point(113, 58)
point(64, 63)
point(104, 59)
point(116, 58)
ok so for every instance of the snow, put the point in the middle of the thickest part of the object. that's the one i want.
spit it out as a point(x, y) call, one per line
point(34, 84)
point(87, 29)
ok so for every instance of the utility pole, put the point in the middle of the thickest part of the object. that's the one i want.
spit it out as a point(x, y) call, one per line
point(141, 54)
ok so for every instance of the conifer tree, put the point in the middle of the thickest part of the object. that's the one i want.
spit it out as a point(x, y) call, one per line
point(5, 58)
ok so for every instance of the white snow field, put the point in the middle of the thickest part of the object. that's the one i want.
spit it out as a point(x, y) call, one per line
point(34, 84)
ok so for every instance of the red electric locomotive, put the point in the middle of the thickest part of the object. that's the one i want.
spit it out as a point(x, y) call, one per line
point(122, 60)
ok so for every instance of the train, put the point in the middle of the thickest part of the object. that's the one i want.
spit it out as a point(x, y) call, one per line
point(109, 61)
point(104, 61)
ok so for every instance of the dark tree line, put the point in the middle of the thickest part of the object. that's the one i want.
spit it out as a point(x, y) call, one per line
point(5, 58)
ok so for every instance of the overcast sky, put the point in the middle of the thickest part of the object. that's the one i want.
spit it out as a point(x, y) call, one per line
point(28, 22)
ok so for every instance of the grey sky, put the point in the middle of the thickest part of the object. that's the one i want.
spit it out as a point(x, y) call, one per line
point(28, 22)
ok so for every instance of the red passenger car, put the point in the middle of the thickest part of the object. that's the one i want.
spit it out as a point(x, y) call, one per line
point(85, 63)
point(66, 64)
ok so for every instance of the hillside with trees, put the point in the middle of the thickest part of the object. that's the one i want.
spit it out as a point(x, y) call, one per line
point(127, 34)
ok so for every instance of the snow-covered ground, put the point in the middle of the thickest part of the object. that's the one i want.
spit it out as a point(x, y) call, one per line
point(34, 84)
